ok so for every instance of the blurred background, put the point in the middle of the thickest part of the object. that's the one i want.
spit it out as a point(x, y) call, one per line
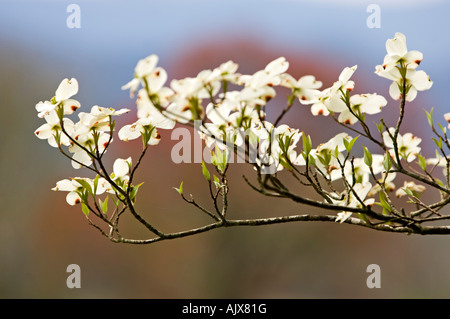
point(40, 235)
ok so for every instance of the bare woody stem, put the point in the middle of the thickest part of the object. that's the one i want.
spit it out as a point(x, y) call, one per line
point(413, 229)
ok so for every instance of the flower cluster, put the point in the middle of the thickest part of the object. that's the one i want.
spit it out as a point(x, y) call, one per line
point(86, 138)
point(400, 66)
point(231, 120)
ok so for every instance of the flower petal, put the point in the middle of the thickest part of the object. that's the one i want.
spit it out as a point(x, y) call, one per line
point(146, 66)
point(420, 80)
point(66, 89)
point(121, 167)
point(73, 198)
point(397, 45)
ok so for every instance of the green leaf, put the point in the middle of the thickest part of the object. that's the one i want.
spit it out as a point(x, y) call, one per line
point(438, 143)
point(430, 117)
point(363, 217)
point(85, 185)
point(205, 171)
point(444, 130)
point(180, 189)
point(134, 191)
point(384, 203)
point(349, 145)
point(85, 209)
point(57, 136)
point(346, 143)
point(285, 163)
point(307, 144)
point(147, 134)
point(380, 127)
point(59, 110)
point(113, 124)
point(219, 159)
point(422, 162)
point(104, 205)
point(387, 162)
point(217, 181)
point(116, 202)
point(96, 183)
point(336, 152)
point(312, 160)
point(408, 192)
point(367, 157)
point(84, 195)
point(322, 160)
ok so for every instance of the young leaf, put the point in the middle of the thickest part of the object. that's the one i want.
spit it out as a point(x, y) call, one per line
point(346, 143)
point(438, 143)
point(322, 160)
point(336, 152)
point(85, 209)
point(349, 145)
point(96, 183)
point(408, 192)
point(430, 117)
point(443, 129)
point(85, 185)
point(104, 205)
point(380, 127)
point(116, 202)
point(134, 191)
point(387, 162)
point(205, 171)
point(217, 181)
point(312, 160)
point(422, 162)
point(307, 144)
point(180, 189)
point(367, 157)
point(384, 203)
point(219, 159)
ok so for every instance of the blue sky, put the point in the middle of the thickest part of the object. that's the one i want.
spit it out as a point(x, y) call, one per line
point(115, 34)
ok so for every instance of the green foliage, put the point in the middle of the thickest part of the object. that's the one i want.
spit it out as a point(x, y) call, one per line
point(205, 171)
point(180, 189)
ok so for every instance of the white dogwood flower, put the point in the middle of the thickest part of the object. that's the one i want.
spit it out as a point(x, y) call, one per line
point(344, 83)
point(66, 89)
point(333, 169)
point(407, 144)
point(397, 52)
point(305, 88)
point(49, 130)
point(146, 108)
point(447, 118)
point(386, 181)
point(99, 118)
point(321, 102)
point(411, 186)
point(350, 200)
point(415, 80)
point(121, 169)
point(359, 104)
point(269, 76)
point(135, 130)
point(86, 139)
point(144, 68)
point(74, 187)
